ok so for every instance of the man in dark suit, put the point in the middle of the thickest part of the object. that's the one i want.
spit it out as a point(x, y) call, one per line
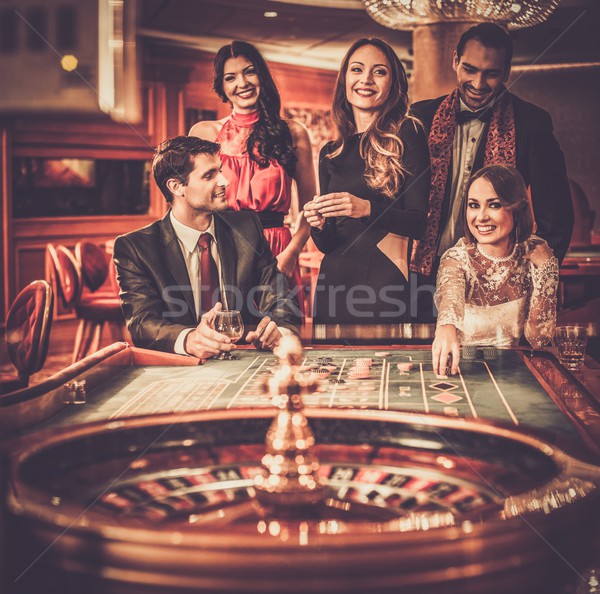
point(480, 123)
point(175, 274)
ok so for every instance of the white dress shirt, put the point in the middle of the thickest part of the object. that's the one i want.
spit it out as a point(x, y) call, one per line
point(187, 238)
point(467, 138)
point(188, 242)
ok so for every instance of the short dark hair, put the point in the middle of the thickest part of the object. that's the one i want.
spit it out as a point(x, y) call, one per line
point(174, 160)
point(510, 187)
point(490, 35)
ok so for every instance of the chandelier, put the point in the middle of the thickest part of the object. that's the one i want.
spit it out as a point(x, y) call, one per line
point(408, 14)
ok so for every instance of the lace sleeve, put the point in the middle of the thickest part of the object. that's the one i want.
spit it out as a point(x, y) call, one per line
point(541, 316)
point(450, 291)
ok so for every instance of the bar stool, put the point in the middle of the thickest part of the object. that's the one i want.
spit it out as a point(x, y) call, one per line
point(93, 310)
point(99, 297)
point(27, 336)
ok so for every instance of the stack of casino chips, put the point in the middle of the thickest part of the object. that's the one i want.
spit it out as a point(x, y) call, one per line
point(361, 369)
point(322, 370)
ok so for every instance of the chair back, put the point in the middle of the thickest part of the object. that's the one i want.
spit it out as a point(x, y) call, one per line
point(64, 274)
point(93, 262)
point(28, 326)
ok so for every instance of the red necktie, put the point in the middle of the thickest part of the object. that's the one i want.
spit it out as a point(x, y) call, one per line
point(209, 275)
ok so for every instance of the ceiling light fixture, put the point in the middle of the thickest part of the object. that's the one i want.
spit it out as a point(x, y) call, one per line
point(69, 62)
point(408, 14)
point(270, 14)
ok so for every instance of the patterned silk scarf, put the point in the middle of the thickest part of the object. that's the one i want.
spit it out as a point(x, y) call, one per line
point(499, 148)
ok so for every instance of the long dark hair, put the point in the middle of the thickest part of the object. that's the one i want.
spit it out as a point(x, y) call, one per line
point(271, 137)
point(381, 146)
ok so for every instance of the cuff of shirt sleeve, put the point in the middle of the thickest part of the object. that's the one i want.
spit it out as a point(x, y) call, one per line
point(377, 212)
point(450, 320)
point(180, 342)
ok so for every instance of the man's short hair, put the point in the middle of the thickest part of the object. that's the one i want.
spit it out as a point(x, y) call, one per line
point(490, 35)
point(174, 159)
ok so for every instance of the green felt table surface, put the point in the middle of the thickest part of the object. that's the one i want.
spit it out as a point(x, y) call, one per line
point(503, 390)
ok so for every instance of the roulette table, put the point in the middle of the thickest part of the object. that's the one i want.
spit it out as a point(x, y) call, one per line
point(140, 472)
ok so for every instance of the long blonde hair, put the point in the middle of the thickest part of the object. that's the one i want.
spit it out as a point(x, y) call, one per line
point(380, 146)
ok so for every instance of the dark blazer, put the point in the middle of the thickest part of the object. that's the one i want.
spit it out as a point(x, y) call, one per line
point(541, 163)
point(156, 294)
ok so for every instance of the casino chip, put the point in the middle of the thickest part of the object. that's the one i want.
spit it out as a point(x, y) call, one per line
point(324, 360)
point(359, 373)
point(469, 352)
point(490, 353)
point(472, 352)
point(363, 362)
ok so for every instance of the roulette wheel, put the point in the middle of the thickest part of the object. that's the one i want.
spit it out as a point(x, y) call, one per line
point(318, 500)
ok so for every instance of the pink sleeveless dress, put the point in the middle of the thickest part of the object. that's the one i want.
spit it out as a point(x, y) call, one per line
point(266, 191)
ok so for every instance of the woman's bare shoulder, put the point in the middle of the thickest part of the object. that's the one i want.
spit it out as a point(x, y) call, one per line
point(299, 132)
point(207, 129)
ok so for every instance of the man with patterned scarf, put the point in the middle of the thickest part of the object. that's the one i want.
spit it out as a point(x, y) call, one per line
point(480, 123)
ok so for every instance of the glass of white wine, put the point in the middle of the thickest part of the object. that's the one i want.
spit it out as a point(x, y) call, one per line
point(230, 323)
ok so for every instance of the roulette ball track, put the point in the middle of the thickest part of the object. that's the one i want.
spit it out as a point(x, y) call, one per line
point(412, 503)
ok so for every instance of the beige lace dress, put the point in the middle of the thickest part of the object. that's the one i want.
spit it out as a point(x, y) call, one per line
point(492, 300)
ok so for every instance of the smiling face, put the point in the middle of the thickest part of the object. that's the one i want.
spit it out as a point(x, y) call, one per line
point(204, 192)
point(480, 74)
point(490, 223)
point(368, 80)
point(241, 84)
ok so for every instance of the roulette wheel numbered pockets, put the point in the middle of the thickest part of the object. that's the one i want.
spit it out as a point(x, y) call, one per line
point(419, 503)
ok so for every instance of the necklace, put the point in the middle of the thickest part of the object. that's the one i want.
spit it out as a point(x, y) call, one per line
point(496, 258)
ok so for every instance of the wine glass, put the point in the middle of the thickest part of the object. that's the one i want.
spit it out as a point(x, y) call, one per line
point(230, 323)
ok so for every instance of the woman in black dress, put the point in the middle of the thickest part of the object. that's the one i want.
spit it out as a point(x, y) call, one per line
point(374, 182)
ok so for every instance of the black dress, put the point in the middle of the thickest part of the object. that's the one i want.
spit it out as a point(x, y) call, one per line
point(358, 283)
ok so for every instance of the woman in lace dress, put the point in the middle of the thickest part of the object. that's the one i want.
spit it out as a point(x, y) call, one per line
point(499, 280)
point(374, 182)
point(262, 154)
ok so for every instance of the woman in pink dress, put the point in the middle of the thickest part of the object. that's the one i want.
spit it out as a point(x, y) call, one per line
point(262, 154)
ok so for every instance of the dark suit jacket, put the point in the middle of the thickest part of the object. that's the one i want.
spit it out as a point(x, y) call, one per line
point(156, 294)
point(541, 163)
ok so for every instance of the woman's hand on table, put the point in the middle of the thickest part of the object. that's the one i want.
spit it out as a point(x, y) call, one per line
point(444, 344)
point(342, 204)
point(204, 341)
